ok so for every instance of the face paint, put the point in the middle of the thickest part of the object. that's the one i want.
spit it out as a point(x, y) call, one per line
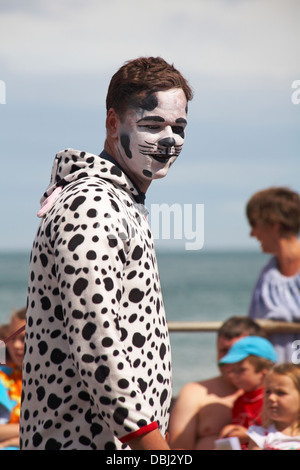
point(151, 135)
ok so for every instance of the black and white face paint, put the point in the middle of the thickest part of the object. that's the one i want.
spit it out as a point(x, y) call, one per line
point(151, 135)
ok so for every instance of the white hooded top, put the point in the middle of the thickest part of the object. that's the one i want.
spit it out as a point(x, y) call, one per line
point(97, 365)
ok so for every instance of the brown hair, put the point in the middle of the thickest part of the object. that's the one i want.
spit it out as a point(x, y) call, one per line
point(238, 326)
point(19, 314)
point(140, 78)
point(275, 205)
point(260, 363)
point(3, 331)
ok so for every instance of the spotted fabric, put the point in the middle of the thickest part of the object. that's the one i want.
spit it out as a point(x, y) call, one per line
point(97, 363)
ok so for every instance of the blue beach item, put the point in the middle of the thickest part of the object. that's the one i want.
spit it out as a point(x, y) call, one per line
point(249, 346)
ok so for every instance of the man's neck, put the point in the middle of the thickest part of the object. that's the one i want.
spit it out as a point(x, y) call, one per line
point(140, 184)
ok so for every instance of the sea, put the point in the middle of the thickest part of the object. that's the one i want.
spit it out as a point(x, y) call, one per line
point(197, 286)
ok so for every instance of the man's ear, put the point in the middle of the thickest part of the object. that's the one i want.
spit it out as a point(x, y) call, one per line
point(112, 123)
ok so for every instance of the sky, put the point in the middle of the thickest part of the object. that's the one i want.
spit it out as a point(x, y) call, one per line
point(241, 57)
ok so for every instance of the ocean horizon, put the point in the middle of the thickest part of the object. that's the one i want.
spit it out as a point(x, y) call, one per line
point(204, 285)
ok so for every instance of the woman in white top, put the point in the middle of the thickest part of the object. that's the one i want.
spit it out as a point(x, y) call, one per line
point(281, 411)
point(274, 216)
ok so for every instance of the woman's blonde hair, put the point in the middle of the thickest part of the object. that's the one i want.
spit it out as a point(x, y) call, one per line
point(289, 370)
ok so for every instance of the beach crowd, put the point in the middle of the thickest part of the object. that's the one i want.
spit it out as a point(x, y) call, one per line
point(92, 369)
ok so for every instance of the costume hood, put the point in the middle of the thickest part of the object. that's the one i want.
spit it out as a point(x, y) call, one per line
point(70, 165)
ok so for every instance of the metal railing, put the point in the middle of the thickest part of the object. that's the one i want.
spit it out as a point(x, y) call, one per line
point(269, 326)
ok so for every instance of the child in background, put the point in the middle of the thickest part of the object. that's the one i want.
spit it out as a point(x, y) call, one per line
point(11, 382)
point(251, 358)
point(281, 411)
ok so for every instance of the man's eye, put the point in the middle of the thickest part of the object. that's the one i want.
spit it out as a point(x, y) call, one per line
point(151, 127)
point(178, 130)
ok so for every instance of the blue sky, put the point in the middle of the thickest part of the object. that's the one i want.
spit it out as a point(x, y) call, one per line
point(241, 57)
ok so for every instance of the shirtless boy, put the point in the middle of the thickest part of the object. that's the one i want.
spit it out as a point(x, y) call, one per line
point(203, 408)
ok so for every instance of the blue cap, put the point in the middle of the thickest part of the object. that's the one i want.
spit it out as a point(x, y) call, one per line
point(248, 346)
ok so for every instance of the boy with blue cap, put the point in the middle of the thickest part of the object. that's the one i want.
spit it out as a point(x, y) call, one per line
point(250, 357)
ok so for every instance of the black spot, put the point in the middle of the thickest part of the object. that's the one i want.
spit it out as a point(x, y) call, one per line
point(52, 444)
point(79, 286)
point(91, 255)
point(163, 396)
point(57, 356)
point(96, 429)
point(147, 173)
point(75, 242)
point(91, 213)
point(77, 202)
point(132, 318)
point(125, 142)
point(138, 340)
point(124, 334)
point(112, 241)
point(101, 373)
point(77, 314)
point(107, 342)
point(54, 401)
point(108, 282)
point(68, 417)
point(44, 260)
point(37, 439)
point(137, 253)
point(115, 171)
point(48, 424)
point(40, 391)
point(114, 205)
point(136, 295)
point(97, 298)
point(58, 313)
point(105, 400)
point(84, 440)
point(141, 423)
point(87, 358)
point(123, 383)
point(88, 331)
point(69, 269)
point(43, 347)
point(46, 304)
point(84, 396)
point(68, 228)
point(120, 415)
point(149, 103)
point(162, 351)
point(143, 385)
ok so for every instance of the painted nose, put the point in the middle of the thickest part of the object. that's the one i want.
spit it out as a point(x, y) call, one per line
point(167, 142)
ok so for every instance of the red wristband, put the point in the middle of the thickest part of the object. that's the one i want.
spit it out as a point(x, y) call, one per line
point(139, 432)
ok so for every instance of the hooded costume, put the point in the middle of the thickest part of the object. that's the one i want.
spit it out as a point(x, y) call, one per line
point(97, 365)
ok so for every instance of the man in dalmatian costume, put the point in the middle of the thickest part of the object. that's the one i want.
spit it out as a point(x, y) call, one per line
point(97, 366)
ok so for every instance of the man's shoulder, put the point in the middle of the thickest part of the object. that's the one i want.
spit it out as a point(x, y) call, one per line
point(201, 388)
point(101, 193)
